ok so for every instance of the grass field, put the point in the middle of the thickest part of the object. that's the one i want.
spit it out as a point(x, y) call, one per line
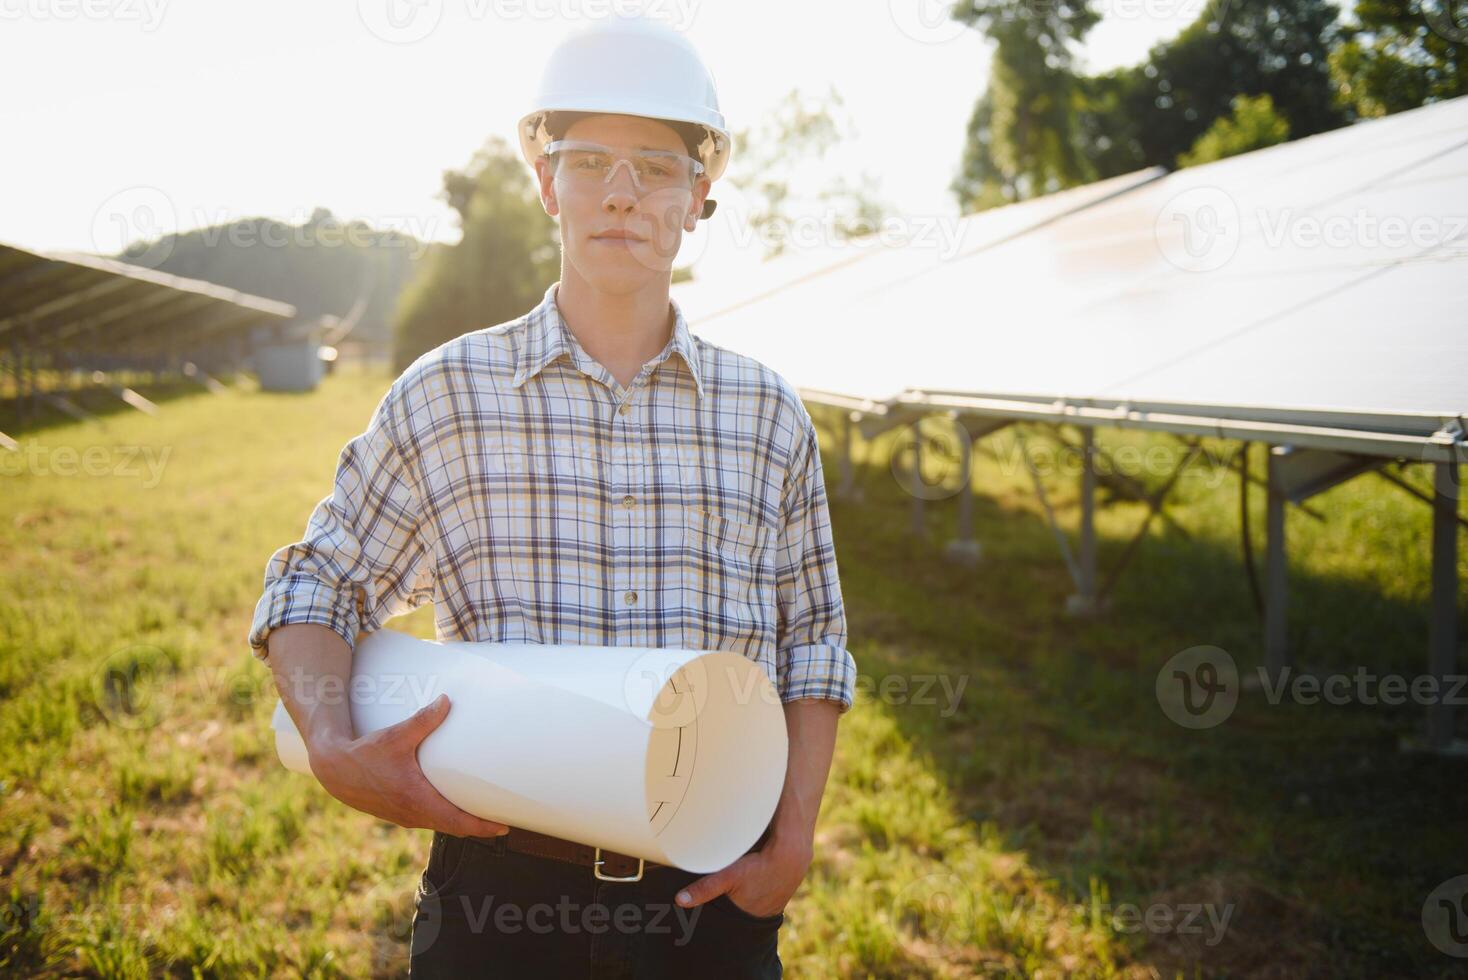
point(1043, 819)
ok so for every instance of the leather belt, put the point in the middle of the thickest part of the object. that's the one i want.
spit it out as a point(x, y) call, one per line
point(605, 865)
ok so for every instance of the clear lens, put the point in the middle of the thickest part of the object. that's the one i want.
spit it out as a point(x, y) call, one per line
point(595, 163)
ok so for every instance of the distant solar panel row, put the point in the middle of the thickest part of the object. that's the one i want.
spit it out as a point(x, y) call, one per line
point(73, 304)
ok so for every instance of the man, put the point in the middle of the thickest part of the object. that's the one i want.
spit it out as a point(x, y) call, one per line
point(591, 473)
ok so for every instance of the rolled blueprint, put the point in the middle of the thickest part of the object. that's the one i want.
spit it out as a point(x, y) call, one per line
point(675, 756)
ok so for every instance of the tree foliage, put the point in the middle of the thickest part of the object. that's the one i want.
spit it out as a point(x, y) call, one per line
point(1252, 125)
point(321, 266)
point(1022, 132)
point(507, 257)
point(1040, 126)
point(786, 177)
point(1400, 54)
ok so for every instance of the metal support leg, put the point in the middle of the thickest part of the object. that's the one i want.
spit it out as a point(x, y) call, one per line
point(1442, 633)
point(1084, 599)
point(1060, 540)
point(919, 527)
point(966, 512)
point(1276, 586)
point(129, 396)
point(965, 549)
point(33, 387)
point(846, 488)
point(197, 375)
point(23, 405)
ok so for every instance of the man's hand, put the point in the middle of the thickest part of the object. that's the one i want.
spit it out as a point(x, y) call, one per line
point(379, 774)
point(761, 882)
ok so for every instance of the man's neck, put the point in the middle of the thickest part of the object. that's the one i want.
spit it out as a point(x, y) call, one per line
point(620, 332)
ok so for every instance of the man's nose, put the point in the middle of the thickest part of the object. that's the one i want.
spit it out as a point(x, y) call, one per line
point(619, 200)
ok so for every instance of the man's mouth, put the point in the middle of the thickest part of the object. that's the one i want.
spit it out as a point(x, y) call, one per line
point(618, 236)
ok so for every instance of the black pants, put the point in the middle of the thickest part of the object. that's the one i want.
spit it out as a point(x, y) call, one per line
point(486, 911)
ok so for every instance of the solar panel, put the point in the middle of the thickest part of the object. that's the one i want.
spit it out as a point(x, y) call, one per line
point(1324, 276)
point(830, 271)
point(65, 301)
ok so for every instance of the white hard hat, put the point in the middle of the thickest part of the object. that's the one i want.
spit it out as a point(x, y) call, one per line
point(632, 66)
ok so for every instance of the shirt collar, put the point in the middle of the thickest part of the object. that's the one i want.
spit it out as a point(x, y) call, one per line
point(547, 337)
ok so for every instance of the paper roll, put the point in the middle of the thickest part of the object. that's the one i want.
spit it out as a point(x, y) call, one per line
point(675, 756)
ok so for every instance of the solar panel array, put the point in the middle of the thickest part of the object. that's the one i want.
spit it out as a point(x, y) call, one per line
point(74, 309)
point(1319, 282)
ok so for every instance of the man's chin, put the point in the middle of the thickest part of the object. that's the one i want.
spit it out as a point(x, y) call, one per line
point(621, 269)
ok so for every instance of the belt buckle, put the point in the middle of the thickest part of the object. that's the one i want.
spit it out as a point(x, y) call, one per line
point(596, 870)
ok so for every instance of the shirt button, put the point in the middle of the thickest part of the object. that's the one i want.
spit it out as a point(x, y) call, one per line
point(628, 500)
point(631, 597)
point(626, 407)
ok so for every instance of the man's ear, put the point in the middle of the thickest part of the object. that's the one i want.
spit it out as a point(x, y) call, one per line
point(701, 189)
point(547, 183)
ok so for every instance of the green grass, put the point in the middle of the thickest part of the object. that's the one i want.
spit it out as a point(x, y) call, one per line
point(146, 826)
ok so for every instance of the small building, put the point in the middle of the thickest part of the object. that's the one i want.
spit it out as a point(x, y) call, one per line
point(291, 356)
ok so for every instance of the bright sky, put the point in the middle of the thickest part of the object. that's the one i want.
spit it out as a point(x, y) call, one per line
point(122, 118)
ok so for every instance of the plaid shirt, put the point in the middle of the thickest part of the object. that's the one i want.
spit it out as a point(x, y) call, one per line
point(508, 478)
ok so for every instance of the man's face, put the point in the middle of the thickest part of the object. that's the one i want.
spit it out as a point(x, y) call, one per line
point(655, 218)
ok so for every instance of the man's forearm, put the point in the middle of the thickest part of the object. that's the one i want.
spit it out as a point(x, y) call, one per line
point(312, 665)
point(811, 725)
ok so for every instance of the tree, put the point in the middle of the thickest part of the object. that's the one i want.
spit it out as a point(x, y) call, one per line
point(1023, 130)
point(792, 141)
point(1317, 74)
point(1400, 54)
point(1238, 47)
point(506, 258)
point(980, 183)
point(1108, 132)
point(1252, 125)
point(1151, 114)
point(322, 266)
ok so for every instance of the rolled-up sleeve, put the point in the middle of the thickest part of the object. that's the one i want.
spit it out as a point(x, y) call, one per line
point(812, 658)
point(364, 557)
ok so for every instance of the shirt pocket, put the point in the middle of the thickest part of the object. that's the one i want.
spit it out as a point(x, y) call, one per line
point(727, 583)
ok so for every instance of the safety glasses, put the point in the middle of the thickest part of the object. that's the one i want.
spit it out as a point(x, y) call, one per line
point(594, 163)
